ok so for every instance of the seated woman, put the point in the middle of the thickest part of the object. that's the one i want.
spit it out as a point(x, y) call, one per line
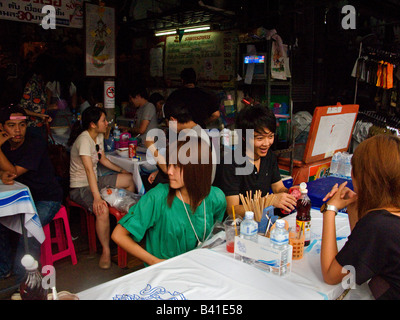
point(373, 247)
point(260, 163)
point(86, 152)
point(177, 217)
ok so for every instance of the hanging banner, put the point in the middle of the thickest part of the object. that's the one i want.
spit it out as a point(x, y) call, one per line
point(99, 41)
point(69, 13)
point(109, 94)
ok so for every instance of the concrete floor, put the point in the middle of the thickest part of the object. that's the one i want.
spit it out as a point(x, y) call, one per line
point(86, 273)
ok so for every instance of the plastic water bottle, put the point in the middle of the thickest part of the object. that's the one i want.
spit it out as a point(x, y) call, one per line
point(31, 287)
point(116, 132)
point(248, 231)
point(280, 241)
point(347, 166)
point(335, 164)
point(249, 227)
point(342, 165)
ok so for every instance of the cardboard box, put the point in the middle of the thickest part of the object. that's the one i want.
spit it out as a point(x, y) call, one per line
point(263, 255)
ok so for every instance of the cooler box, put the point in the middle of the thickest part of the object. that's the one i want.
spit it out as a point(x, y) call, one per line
point(330, 131)
point(317, 189)
point(304, 172)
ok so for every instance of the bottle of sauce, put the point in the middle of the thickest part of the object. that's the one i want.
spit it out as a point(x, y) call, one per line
point(31, 287)
point(303, 217)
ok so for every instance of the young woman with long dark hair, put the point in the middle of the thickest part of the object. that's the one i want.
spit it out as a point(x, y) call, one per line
point(174, 217)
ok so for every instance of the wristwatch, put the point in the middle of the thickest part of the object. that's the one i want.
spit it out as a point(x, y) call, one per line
point(330, 207)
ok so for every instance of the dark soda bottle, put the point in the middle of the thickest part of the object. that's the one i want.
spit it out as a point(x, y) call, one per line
point(31, 287)
point(303, 217)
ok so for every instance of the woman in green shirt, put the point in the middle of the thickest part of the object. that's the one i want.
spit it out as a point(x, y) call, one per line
point(175, 217)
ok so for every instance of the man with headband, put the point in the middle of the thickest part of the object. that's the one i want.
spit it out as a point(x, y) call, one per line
point(24, 158)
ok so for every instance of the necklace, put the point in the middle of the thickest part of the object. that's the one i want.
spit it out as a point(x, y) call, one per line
point(205, 220)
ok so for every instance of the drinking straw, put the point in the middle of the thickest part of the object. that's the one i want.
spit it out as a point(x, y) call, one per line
point(300, 231)
point(234, 219)
point(269, 222)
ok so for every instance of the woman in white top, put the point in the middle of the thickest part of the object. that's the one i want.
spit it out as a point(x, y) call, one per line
point(87, 150)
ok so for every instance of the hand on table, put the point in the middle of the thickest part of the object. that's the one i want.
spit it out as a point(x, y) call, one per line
point(7, 177)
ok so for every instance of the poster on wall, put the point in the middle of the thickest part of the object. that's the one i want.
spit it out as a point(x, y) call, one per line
point(69, 13)
point(210, 54)
point(100, 41)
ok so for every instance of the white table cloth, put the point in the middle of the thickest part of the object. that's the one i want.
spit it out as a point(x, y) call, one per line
point(133, 167)
point(199, 274)
point(16, 199)
point(214, 274)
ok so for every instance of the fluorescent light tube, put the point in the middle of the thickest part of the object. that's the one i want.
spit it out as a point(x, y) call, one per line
point(194, 29)
point(164, 33)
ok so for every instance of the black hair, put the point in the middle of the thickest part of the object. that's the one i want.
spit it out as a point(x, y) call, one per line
point(155, 97)
point(91, 114)
point(134, 91)
point(257, 118)
point(178, 109)
point(188, 75)
point(5, 112)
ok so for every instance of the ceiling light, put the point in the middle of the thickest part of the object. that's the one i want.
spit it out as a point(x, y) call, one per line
point(185, 30)
point(199, 28)
point(165, 33)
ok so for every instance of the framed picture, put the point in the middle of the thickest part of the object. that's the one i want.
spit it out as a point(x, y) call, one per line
point(100, 41)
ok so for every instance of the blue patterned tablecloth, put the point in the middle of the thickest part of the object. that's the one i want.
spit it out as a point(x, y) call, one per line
point(16, 199)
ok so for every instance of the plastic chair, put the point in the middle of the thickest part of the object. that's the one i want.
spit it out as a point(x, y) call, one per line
point(63, 240)
point(122, 254)
point(91, 229)
point(86, 219)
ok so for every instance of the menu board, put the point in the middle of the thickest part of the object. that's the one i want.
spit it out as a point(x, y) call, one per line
point(211, 54)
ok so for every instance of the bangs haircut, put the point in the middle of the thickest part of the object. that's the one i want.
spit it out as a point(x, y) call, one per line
point(376, 171)
point(178, 109)
point(257, 118)
point(197, 173)
point(91, 114)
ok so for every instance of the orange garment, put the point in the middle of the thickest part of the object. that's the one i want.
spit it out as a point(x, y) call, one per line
point(389, 76)
point(379, 74)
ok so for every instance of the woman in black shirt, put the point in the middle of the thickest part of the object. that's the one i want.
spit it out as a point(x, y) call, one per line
point(372, 251)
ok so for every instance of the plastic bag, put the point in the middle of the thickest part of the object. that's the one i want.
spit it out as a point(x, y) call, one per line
point(120, 199)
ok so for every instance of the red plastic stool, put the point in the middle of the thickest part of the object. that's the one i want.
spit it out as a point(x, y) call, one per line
point(86, 219)
point(63, 240)
point(122, 254)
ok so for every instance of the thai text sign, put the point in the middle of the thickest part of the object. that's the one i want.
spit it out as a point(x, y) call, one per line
point(69, 13)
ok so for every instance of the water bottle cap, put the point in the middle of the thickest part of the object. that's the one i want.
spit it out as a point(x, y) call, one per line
point(303, 187)
point(29, 262)
point(249, 215)
point(280, 223)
